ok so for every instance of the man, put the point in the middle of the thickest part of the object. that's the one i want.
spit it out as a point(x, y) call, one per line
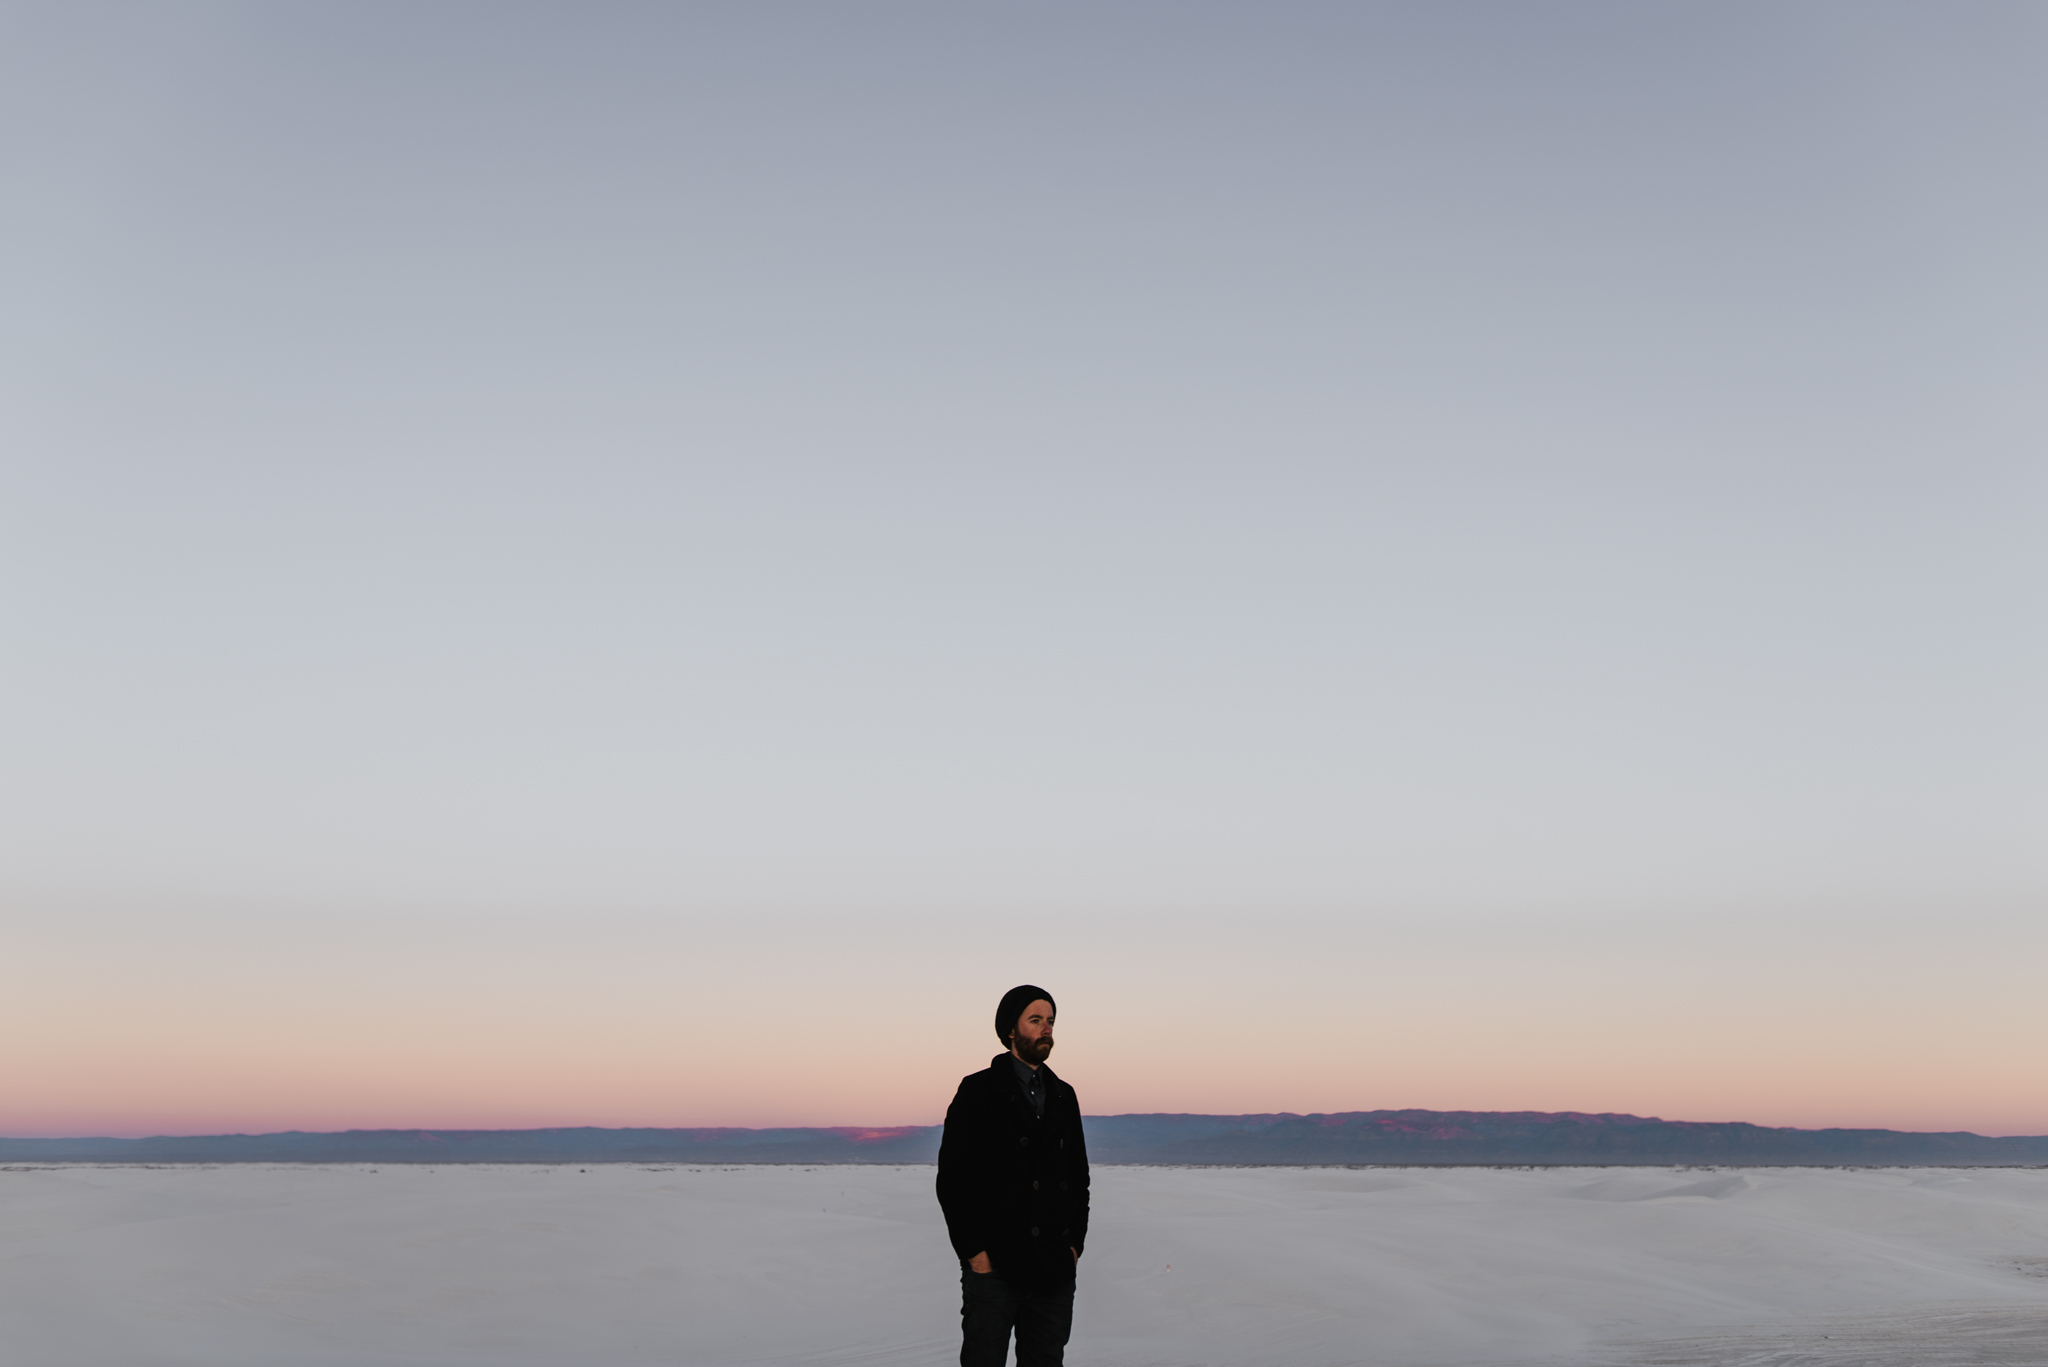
point(1013, 1181)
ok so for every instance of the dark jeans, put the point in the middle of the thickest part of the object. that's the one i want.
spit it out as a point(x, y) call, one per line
point(990, 1308)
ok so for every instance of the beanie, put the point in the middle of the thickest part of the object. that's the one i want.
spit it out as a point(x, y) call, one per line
point(1014, 1002)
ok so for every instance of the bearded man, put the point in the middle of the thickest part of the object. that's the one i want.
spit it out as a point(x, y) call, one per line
point(1013, 1182)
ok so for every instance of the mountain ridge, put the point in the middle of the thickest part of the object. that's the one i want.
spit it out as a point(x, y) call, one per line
point(1394, 1137)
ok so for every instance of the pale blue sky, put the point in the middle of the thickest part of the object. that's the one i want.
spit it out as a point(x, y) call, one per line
point(851, 465)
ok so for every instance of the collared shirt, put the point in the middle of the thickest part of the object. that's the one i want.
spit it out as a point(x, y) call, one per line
point(1034, 1086)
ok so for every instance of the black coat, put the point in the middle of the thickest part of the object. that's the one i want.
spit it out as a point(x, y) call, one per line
point(1013, 1184)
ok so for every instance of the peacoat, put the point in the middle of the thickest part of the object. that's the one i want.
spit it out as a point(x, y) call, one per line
point(1012, 1183)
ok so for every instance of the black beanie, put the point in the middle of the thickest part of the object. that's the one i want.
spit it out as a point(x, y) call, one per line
point(1014, 1002)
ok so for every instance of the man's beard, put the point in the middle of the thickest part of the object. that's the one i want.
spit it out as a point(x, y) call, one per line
point(1034, 1050)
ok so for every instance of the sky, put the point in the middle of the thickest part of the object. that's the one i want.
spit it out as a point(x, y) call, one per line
point(639, 565)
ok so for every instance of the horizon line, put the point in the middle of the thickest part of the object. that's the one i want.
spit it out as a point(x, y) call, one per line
point(894, 1130)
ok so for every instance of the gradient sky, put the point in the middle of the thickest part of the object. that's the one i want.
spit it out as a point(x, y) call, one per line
point(633, 565)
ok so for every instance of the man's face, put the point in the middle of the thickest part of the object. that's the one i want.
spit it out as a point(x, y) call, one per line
point(1033, 1037)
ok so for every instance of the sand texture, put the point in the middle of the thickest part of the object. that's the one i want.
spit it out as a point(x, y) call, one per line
point(321, 1266)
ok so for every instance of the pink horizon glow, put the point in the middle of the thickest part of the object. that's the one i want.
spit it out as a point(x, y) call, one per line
point(170, 1037)
point(115, 1125)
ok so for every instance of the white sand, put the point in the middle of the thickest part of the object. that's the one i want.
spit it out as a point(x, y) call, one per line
point(291, 1266)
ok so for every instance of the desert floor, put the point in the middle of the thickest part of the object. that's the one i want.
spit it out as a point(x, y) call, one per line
point(321, 1266)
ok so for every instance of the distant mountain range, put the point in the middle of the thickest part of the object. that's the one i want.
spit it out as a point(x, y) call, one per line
point(1364, 1137)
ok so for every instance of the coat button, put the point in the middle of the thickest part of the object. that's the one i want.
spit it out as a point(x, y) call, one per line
point(1034, 1186)
point(1034, 1231)
point(1024, 1139)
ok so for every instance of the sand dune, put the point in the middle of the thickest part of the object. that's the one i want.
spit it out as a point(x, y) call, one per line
point(284, 1266)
